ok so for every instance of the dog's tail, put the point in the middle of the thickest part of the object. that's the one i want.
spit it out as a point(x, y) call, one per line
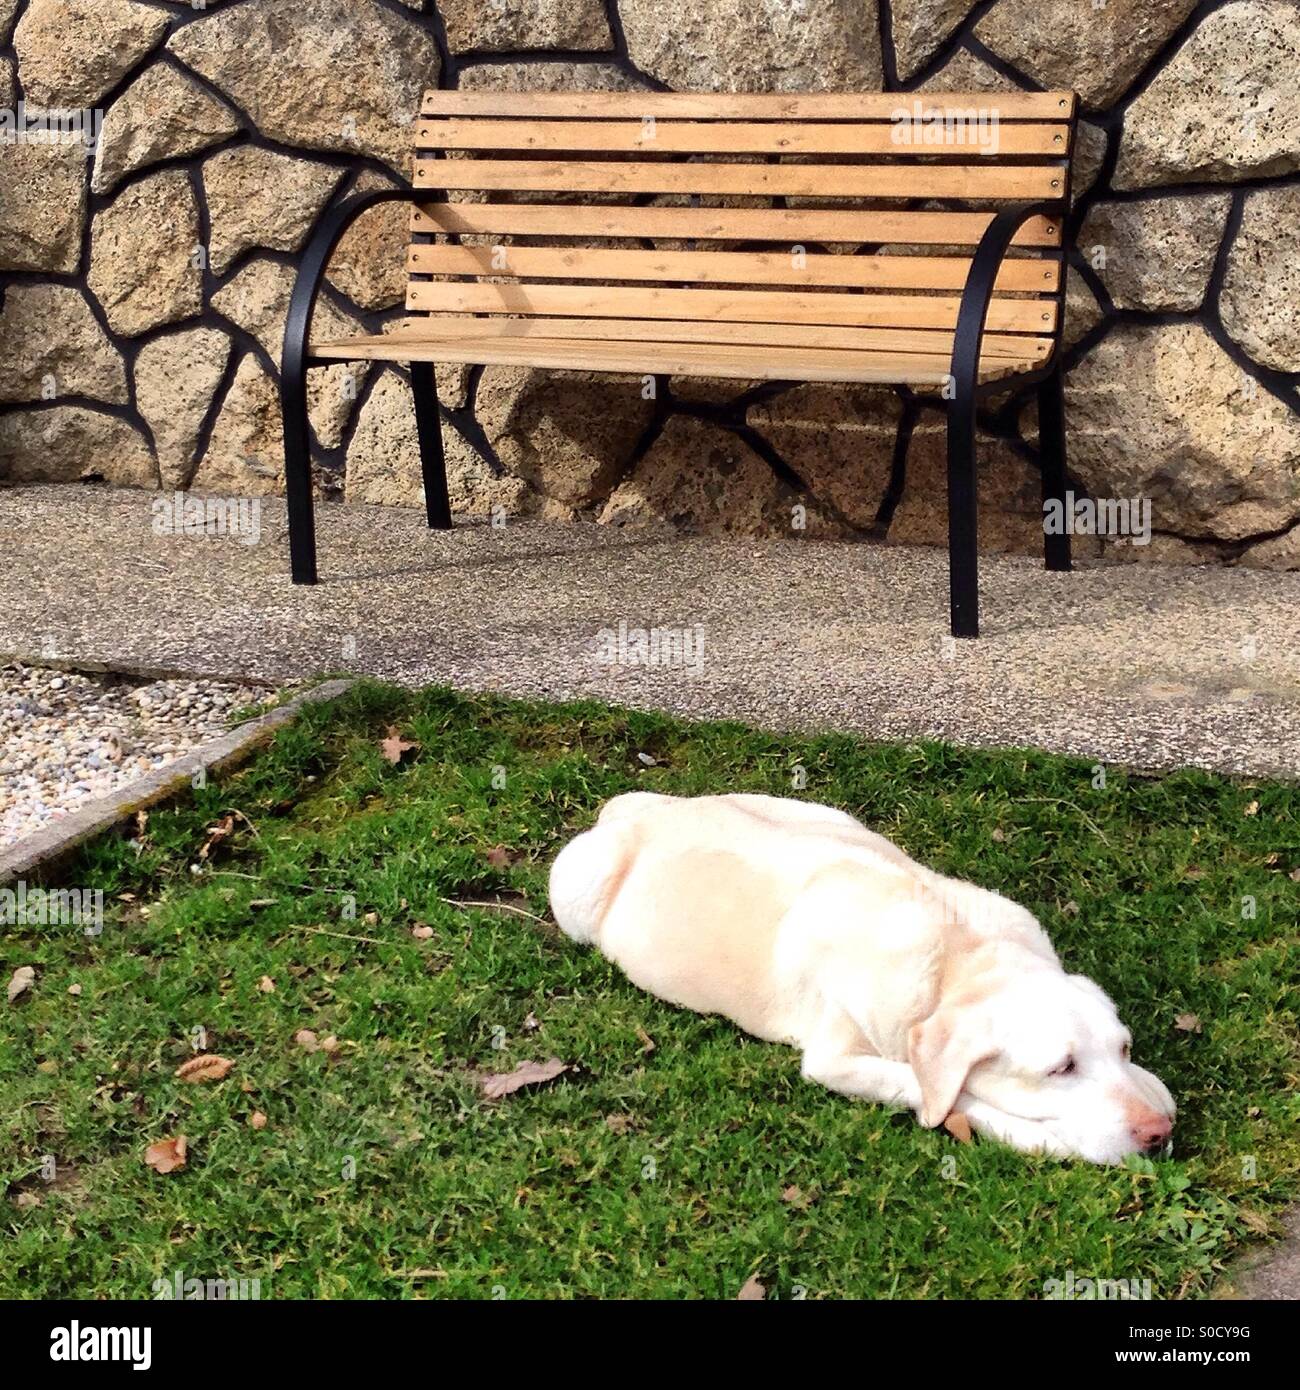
point(586, 877)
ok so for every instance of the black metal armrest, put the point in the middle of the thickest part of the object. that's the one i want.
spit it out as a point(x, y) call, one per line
point(311, 269)
point(978, 290)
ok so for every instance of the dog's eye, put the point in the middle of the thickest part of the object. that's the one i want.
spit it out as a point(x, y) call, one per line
point(1065, 1069)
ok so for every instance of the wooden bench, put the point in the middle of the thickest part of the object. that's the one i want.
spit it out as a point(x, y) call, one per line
point(691, 235)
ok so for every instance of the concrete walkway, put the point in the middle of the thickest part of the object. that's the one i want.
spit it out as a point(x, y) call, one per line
point(1154, 667)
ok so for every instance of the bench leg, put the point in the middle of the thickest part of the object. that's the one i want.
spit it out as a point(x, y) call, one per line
point(963, 561)
point(297, 474)
point(433, 463)
point(1051, 460)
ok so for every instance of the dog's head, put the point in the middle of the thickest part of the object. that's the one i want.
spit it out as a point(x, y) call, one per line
point(1044, 1046)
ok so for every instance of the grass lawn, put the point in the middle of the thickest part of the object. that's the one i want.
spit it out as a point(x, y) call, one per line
point(677, 1157)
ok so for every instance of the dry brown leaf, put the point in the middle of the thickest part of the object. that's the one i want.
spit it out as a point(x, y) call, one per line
point(74, 990)
point(218, 831)
point(792, 1194)
point(1187, 1023)
point(647, 1042)
point(959, 1127)
point(619, 1124)
point(21, 981)
point(1294, 875)
point(531, 1024)
point(257, 1120)
point(1255, 1221)
point(167, 1154)
point(752, 1291)
point(27, 1199)
point(525, 1074)
point(499, 857)
point(421, 931)
point(394, 745)
point(1252, 809)
point(205, 1067)
point(329, 1044)
point(307, 1040)
point(266, 984)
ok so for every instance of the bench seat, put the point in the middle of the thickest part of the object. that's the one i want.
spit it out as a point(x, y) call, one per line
point(633, 353)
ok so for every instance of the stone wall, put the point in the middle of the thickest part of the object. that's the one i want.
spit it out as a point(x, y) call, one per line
point(144, 288)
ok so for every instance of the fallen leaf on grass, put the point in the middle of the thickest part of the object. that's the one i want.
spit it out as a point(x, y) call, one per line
point(792, 1195)
point(74, 990)
point(500, 857)
point(421, 931)
point(1255, 1221)
point(647, 1042)
point(266, 984)
point(206, 1067)
point(531, 1025)
point(525, 1074)
point(257, 1120)
point(220, 830)
point(753, 1291)
point(307, 1040)
point(393, 746)
point(618, 1123)
point(27, 1199)
point(21, 981)
point(167, 1154)
point(329, 1044)
point(1187, 1023)
point(959, 1127)
point(1251, 809)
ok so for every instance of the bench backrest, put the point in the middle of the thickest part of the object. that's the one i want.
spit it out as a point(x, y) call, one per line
point(844, 219)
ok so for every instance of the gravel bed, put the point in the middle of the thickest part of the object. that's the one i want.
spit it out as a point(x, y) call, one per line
point(67, 737)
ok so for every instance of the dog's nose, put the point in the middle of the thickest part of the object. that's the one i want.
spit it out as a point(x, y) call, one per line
point(1152, 1134)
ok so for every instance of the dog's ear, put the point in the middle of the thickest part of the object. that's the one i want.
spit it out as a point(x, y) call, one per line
point(942, 1050)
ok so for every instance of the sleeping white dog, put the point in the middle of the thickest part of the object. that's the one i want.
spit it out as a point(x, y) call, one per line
point(899, 985)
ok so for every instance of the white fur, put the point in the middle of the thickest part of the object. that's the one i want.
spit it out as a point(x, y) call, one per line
point(898, 984)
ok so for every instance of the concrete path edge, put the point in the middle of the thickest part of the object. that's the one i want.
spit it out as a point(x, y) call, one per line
point(61, 837)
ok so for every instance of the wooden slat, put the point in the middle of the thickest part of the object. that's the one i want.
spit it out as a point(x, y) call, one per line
point(1028, 181)
point(727, 267)
point(736, 361)
point(747, 306)
point(789, 225)
point(705, 137)
point(924, 340)
point(746, 106)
